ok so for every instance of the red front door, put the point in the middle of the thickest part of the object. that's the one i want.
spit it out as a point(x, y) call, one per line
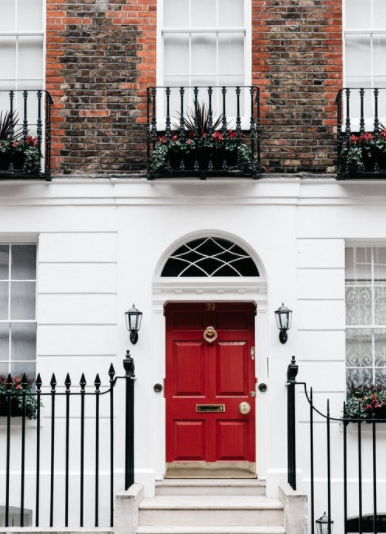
point(207, 380)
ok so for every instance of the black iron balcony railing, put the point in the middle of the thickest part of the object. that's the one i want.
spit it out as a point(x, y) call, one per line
point(25, 134)
point(203, 131)
point(361, 131)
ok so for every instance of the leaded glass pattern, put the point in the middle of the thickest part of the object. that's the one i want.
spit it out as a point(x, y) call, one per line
point(366, 315)
point(17, 308)
point(210, 257)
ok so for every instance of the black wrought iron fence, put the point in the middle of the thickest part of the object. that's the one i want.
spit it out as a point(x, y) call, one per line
point(203, 131)
point(25, 134)
point(351, 465)
point(361, 133)
point(65, 462)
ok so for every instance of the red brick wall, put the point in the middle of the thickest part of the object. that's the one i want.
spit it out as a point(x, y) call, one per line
point(297, 60)
point(101, 56)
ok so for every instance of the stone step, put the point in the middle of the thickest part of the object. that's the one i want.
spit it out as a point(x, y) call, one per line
point(210, 487)
point(211, 530)
point(211, 510)
point(46, 530)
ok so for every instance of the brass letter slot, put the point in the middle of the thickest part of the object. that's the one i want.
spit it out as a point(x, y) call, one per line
point(210, 407)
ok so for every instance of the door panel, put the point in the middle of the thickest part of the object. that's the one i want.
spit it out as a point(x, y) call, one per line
point(189, 369)
point(211, 376)
point(232, 440)
point(189, 440)
point(231, 356)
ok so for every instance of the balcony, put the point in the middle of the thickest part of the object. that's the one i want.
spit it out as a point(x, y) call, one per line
point(25, 134)
point(361, 131)
point(203, 131)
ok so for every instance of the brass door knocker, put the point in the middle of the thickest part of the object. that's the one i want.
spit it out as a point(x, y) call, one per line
point(210, 334)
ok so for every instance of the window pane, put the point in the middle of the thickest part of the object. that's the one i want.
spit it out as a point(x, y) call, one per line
point(358, 264)
point(231, 100)
point(358, 55)
point(4, 368)
point(17, 369)
point(203, 53)
point(359, 376)
point(23, 300)
point(175, 98)
point(359, 348)
point(231, 53)
point(3, 300)
point(380, 264)
point(23, 337)
point(358, 305)
point(204, 13)
point(176, 13)
point(23, 265)
point(358, 14)
point(4, 342)
point(8, 57)
point(379, 13)
point(7, 19)
point(380, 304)
point(231, 13)
point(176, 54)
point(379, 56)
point(29, 15)
point(380, 377)
point(380, 347)
point(30, 63)
point(4, 262)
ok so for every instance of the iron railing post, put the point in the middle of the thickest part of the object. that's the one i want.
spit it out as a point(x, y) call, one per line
point(128, 364)
point(291, 422)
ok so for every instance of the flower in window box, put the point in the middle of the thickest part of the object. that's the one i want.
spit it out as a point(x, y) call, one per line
point(364, 153)
point(366, 402)
point(16, 397)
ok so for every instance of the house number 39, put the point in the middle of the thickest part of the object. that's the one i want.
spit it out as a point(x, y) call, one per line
point(210, 306)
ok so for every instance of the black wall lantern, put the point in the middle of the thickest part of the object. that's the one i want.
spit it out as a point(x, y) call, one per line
point(283, 319)
point(324, 525)
point(133, 323)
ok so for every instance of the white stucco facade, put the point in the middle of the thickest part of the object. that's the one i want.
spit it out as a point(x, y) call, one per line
point(102, 243)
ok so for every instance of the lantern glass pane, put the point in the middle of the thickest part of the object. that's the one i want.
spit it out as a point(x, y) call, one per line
point(284, 319)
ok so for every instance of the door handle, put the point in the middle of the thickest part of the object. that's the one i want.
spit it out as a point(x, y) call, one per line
point(244, 408)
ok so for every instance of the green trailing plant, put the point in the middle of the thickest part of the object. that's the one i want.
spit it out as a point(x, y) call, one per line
point(16, 397)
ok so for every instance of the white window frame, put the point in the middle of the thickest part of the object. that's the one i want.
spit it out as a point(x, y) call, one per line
point(355, 119)
point(247, 29)
point(17, 34)
point(9, 321)
point(370, 327)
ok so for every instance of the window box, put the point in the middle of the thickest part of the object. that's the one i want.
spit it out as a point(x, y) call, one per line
point(16, 397)
point(366, 402)
point(213, 153)
point(364, 153)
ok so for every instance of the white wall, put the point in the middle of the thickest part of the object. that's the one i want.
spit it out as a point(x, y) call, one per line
point(100, 242)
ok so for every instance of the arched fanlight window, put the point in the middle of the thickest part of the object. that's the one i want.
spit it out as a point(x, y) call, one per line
point(209, 257)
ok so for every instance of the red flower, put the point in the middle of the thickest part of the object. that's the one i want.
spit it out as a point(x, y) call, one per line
point(18, 386)
point(376, 405)
point(366, 137)
point(374, 398)
point(216, 136)
point(368, 407)
point(175, 138)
